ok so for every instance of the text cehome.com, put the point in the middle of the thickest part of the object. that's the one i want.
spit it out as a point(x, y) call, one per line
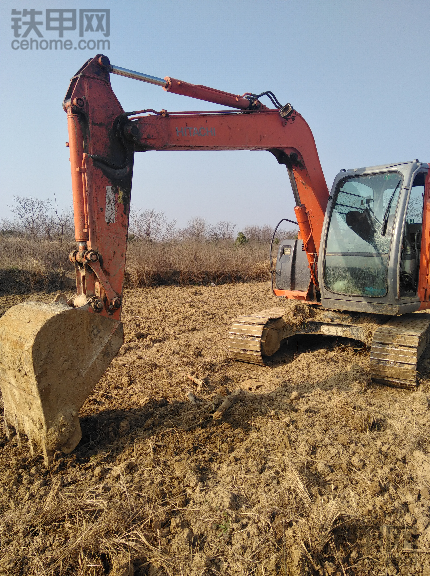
point(28, 26)
point(36, 44)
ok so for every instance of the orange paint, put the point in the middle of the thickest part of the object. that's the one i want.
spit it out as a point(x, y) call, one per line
point(102, 143)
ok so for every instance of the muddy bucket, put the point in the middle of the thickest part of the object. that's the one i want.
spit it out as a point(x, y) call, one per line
point(51, 358)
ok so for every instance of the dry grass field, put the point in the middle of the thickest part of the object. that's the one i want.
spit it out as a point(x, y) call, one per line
point(313, 470)
point(37, 242)
point(28, 264)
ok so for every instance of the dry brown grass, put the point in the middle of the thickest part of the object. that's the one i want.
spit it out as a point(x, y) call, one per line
point(37, 242)
point(194, 262)
point(31, 264)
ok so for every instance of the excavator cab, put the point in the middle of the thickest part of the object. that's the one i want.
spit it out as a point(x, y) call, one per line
point(373, 267)
point(371, 245)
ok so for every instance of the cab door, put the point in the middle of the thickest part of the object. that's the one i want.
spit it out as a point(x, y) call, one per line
point(410, 256)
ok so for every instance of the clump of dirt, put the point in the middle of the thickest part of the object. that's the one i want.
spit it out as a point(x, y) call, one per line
point(308, 469)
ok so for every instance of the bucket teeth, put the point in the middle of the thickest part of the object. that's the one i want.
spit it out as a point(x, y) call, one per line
point(51, 357)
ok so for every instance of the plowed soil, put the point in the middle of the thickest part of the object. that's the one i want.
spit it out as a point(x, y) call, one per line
point(311, 470)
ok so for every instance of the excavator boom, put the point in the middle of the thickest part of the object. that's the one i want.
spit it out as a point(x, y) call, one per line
point(103, 139)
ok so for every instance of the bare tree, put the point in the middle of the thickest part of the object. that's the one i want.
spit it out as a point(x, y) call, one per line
point(223, 230)
point(38, 219)
point(151, 226)
point(264, 234)
point(32, 215)
point(197, 229)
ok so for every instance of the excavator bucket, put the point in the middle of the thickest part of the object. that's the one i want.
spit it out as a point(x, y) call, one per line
point(51, 357)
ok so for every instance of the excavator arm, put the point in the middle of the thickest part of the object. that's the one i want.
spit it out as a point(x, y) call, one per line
point(52, 356)
point(103, 139)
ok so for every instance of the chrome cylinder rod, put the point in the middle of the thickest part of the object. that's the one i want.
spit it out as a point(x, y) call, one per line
point(138, 76)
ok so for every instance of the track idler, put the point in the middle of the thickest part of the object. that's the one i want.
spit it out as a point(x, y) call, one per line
point(51, 358)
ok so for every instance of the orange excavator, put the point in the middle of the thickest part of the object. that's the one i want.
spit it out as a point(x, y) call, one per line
point(361, 259)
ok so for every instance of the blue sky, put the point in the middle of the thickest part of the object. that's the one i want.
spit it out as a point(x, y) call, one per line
point(356, 70)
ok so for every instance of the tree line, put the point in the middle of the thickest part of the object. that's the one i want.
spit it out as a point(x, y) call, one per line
point(41, 219)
